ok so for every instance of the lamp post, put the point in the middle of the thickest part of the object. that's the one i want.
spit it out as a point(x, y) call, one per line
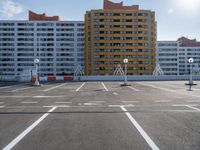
point(36, 62)
point(125, 61)
point(190, 84)
point(191, 60)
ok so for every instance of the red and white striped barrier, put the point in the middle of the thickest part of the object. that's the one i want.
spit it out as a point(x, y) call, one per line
point(55, 78)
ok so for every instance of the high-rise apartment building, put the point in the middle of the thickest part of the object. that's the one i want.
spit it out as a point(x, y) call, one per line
point(59, 45)
point(173, 56)
point(117, 32)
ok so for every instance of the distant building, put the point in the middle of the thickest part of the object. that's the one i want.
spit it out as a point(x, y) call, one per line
point(117, 32)
point(173, 55)
point(59, 45)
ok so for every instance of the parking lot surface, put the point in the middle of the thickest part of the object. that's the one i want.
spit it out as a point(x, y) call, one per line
point(99, 116)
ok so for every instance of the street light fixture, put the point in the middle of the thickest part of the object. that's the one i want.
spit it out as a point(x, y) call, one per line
point(190, 84)
point(125, 61)
point(36, 62)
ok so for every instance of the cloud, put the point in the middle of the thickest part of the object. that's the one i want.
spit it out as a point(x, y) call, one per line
point(170, 11)
point(8, 8)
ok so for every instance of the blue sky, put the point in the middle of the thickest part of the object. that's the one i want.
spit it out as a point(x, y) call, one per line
point(175, 18)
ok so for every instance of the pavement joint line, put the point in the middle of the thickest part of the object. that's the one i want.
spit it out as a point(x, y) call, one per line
point(52, 88)
point(181, 105)
point(130, 101)
point(156, 87)
point(136, 90)
point(191, 107)
point(193, 101)
point(47, 96)
point(21, 89)
point(27, 130)
point(140, 129)
point(96, 101)
point(162, 101)
point(5, 87)
point(63, 102)
point(104, 86)
point(29, 102)
point(168, 90)
point(80, 87)
point(57, 106)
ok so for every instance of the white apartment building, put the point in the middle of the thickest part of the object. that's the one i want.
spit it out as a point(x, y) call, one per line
point(59, 45)
point(173, 56)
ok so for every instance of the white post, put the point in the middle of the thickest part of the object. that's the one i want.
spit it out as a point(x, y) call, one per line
point(191, 81)
point(125, 80)
point(36, 61)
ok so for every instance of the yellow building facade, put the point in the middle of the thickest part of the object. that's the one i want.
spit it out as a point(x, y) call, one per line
point(118, 32)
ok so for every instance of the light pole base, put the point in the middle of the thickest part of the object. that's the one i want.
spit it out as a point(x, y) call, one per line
point(36, 83)
point(125, 84)
point(190, 85)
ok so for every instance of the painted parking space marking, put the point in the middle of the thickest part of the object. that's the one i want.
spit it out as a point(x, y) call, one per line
point(136, 90)
point(33, 102)
point(140, 129)
point(52, 88)
point(128, 105)
point(21, 89)
point(115, 93)
point(27, 130)
point(80, 87)
point(104, 86)
point(192, 107)
point(2, 106)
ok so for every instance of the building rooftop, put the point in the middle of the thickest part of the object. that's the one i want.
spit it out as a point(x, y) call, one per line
point(185, 42)
point(110, 5)
point(42, 17)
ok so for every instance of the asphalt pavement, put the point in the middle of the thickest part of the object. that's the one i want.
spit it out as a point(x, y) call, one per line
point(99, 116)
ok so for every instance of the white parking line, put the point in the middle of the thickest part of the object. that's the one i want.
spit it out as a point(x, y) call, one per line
point(80, 87)
point(2, 106)
point(29, 129)
point(2, 102)
point(141, 131)
point(194, 108)
point(52, 88)
point(115, 93)
point(29, 102)
point(20, 89)
point(104, 86)
point(128, 105)
point(133, 88)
